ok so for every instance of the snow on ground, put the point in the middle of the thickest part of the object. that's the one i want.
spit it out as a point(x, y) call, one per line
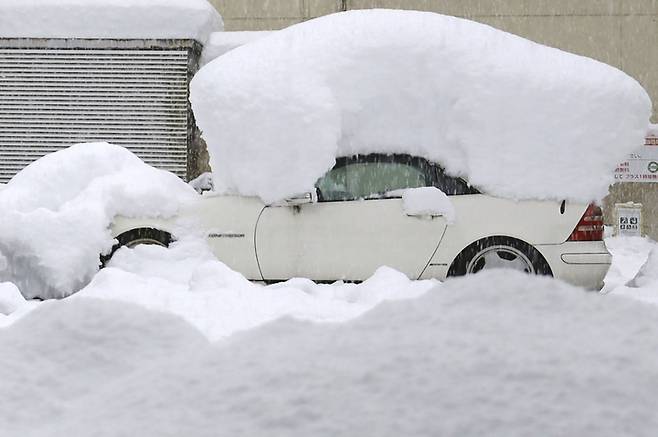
point(187, 280)
point(421, 83)
point(56, 214)
point(497, 354)
point(220, 43)
point(147, 19)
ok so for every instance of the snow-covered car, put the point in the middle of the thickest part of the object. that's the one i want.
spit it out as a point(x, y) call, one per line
point(356, 221)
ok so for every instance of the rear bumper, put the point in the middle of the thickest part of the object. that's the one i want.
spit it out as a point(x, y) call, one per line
point(581, 263)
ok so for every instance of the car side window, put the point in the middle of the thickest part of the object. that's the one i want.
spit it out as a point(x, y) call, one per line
point(371, 178)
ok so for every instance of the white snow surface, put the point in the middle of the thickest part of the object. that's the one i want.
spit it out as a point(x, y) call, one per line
point(516, 118)
point(187, 280)
point(202, 183)
point(141, 19)
point(11, 298)
point(220, 43)
point(56, 214)
point(653, 130)
point(476, 356)
point(428, 201)
point(634, 270)
point(13, 305)
point(648, 274)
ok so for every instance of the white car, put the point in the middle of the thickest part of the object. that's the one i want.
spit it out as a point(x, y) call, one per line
point(355, 223)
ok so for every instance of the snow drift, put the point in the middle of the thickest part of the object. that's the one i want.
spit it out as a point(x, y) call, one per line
point(148, 19)
point(187, 280)
point(56, 214)
point(496, 354)
point(516, 118)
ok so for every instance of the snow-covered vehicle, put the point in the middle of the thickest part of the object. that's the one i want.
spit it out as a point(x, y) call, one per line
point(357, 220)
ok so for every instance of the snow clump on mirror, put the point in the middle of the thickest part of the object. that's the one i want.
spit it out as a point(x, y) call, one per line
point(56, 214)
point(428, 201)
point(516, 118)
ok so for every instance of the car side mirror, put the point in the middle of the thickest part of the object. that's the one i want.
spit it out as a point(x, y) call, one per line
point(302, 199)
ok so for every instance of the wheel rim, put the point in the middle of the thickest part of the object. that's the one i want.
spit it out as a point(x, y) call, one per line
point(500, 257)
point(134, 243)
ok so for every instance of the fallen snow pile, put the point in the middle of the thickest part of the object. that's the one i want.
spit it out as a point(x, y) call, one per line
point(489, 106)
point(477, 356)
point(148, 19)
point(648, 274)
point(187, 280)
point(56, 213)
point(634, 270)
point(628, 256)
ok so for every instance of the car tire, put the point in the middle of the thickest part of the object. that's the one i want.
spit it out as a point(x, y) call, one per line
point(136, 237)
point(499, 252)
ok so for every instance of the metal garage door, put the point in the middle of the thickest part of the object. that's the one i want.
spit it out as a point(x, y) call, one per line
point(51, 98)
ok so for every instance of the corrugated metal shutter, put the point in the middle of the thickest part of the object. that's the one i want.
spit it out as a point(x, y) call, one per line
point(52, 98)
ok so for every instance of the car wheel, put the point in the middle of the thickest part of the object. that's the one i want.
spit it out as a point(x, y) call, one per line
point(136, 237)
point(499, 253)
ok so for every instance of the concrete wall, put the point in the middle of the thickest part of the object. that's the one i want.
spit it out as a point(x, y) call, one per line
point(623, 33)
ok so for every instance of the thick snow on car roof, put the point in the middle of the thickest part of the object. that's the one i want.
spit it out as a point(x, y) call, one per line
point(220, 43)
point(184, 19)
point(516, 118)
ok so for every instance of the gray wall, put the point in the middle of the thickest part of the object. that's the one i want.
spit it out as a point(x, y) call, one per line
point(623, 33)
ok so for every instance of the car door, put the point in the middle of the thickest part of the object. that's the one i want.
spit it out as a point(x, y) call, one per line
point(356, 226)
point(229, 224)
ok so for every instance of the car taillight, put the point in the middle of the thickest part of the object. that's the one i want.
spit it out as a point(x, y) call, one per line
point(590, 226)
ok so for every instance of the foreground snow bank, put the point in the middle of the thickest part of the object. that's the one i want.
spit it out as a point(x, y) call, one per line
point(187, 280)
point(488, 105)
point(148, 19)
point(56, 212)
point(478, 356)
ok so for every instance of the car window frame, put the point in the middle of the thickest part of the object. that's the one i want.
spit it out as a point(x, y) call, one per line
point(433, 172)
